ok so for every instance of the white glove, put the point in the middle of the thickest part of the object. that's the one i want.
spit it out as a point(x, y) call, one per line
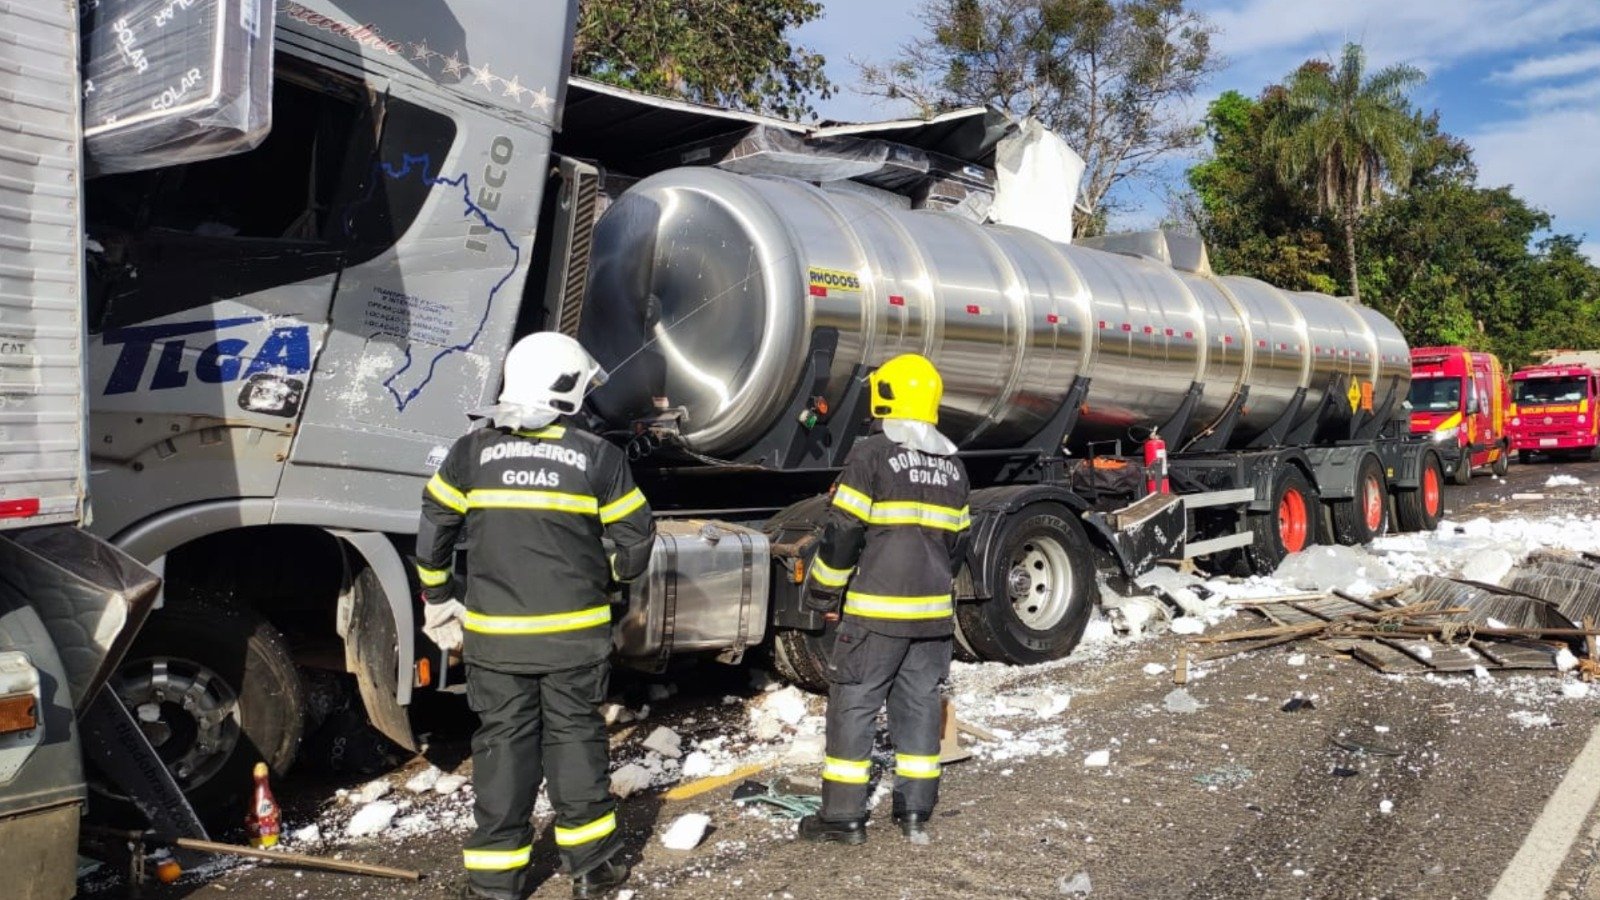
point(441, 622)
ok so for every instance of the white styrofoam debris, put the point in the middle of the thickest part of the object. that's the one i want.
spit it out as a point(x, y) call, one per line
point(449, 784)
point(1155, 668)
point(665, 741)
point(1490, 566)
point(765, 727)
point(1575, 690)
point(630, 779)
point(1386, 807)
point(625, 894)
point(1078, 885)
point(616, 714)
point(1179, 700)
point(1563, 481)
point(698, 765)
point(1326, 568)
point(310, 834)
point(1045, 704)
point(788, 705)
point(371, 819)
point(1099, 759)
point(1381, 729)
point(1480, 673)
point(686, 832)
point(423, 781)
point(1296, 659)
point(371, 791)
point(1527, 497)
point(1565, 661)
point(1098, 631)
point(807, 750)
point(1188, 625)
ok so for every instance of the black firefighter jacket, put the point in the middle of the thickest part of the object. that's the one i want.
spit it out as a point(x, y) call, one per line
point(894, 534)
point(531, 508)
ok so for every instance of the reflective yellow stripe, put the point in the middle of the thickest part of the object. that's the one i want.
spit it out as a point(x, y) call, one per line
point(549, 433)
point(848, 771)
point(927, 515)
point(879, 606)
point(496, 860)
point(621, 508)
point(441, 491)
point(583, 834)
point(550, 624)
point(916, 766)
point(582, 504)
point(827, 575)
point(1449, 423)
point(853, 501)
point(432, 577)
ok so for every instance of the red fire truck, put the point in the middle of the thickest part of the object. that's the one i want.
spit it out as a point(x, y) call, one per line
point(1460, 397)
point(1553, 411)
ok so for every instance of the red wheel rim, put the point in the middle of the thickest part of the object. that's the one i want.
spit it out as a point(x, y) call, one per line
point(1372, 503)
point(1430, 491)
point(1293, 523)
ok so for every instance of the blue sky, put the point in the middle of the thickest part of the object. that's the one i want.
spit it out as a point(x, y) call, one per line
point(1519, 79)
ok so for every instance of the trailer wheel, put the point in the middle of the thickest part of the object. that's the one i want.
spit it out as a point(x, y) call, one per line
point(1366, 515)
point(1289, 528)
point(1502, 463)
point(1421, 509)
point(215, 691)
point(1041, 591)
point(1463, 471)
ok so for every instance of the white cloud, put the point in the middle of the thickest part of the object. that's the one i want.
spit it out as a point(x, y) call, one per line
point(1581, 93)
point(1547, 158)
point(1545, 68)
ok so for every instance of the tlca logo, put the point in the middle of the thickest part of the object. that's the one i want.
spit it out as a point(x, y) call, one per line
point(287, 350)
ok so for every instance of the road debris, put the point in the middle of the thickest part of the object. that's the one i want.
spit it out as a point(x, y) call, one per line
point(686, 832)
point(1099, 759)
point(371, 819)
point(665, 741)
point(1180, 701)
point(1078, 885)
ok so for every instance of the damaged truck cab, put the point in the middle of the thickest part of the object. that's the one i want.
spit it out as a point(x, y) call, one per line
point(283, 344)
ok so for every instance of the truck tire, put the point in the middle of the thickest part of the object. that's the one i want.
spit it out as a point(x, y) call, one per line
point(1502, 463)
point(1463, 472)
point(1366, 515)
point(1525, 457)
point(800, 657)
point(1042, 589)
point(1421, 509)
point(1289, 528)
point(225, 695)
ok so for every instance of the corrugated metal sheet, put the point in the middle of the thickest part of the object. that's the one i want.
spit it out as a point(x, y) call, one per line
point(42, 466)
point(1484, 602)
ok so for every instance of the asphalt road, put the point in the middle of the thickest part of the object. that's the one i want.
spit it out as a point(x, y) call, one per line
point(1237, 799)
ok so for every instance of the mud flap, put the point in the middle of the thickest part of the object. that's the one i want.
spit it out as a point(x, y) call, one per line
point(1139, 535)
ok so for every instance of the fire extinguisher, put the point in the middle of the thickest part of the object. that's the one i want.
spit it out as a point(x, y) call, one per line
point(1155, 466)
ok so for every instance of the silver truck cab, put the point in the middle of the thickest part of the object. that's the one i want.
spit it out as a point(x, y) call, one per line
point(284, 343)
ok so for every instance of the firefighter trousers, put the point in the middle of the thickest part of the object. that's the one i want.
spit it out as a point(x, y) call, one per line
point(537, 727)
point(866, 670)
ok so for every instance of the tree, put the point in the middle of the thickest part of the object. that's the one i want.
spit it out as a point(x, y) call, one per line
point(725, 52)
point(1109, 76)
point(1350, 133)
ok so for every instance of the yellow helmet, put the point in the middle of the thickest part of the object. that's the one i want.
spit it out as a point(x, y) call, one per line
point(907, 387)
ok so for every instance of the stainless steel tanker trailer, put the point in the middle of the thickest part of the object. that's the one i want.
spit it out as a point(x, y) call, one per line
point(740, 315)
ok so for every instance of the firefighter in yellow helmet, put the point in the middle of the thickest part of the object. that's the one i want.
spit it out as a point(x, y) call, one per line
point(893, 537)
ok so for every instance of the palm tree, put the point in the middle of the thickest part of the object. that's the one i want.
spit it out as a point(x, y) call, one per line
point(1350, 134)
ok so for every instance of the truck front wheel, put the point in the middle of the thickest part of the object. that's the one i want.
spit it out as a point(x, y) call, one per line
point(1463, 473)
point(1502, 461)
point(215, 691)
point(1041, 591)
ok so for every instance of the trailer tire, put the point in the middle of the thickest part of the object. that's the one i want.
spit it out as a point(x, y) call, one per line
point(1290, 527)
point(1043, 589)
point(1502, 463)
point(213, 656)
point(1422, 509)
point(1366, 515)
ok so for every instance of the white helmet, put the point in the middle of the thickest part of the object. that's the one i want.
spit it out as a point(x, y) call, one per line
point(549, 372)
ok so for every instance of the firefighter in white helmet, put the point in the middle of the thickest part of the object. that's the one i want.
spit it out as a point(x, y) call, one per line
point(532, 496)
point(893, 538)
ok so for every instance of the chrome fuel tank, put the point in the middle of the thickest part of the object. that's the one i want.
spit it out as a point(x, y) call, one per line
point(707, 286)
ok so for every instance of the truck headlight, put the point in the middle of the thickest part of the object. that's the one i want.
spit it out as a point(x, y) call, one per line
point(1445, 435)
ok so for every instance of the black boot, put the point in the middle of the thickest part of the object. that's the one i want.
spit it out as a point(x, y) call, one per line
point(600, 880)
point(914, 826)
point(818, 830)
